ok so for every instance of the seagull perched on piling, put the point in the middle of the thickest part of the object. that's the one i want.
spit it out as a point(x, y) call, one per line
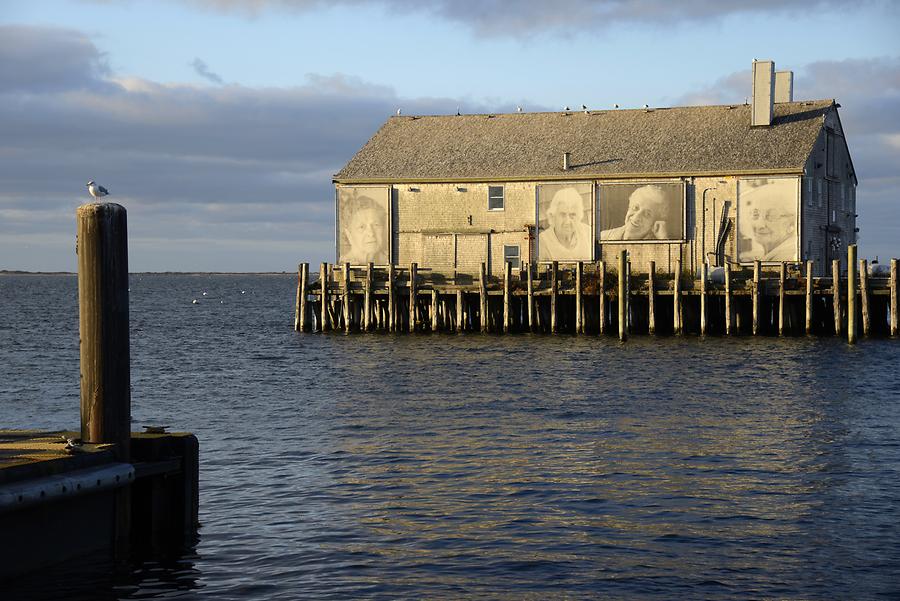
point(96, 191)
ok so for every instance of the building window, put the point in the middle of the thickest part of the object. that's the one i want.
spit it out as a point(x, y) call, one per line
point(511, 255)
point(495, 198)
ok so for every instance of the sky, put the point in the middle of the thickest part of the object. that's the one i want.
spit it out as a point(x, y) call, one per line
point(219, 124)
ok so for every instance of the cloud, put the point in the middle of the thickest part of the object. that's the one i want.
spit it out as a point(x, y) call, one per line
point(40, 59)
point(502, 17)
point(203, 71)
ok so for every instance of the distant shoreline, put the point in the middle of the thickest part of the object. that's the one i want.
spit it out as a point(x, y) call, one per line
point(70, 273)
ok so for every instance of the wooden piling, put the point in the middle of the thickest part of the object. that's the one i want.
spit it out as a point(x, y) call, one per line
point(554, 274)
point(531, 323)
point(300, 320)
point(807, 328)
point(323, 284)
point(864, 295)
point(392, 301)
point(757, 268)
point(894, 292)
point(676, 299)
point(579, 308)
point(851, 294)
point(704, 275)
point(728, 315)
point(623, 294)
point(782, 273)
point(836, 295)
point(483, 298)
point(460, 314)
point(300, 291)
point(367, 301)
point(434, 310)
point(345, 277)
point(507, 280)
point(651, 295)
point(413, 297)
point(102, 248)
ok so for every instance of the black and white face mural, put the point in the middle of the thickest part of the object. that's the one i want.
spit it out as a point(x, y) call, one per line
point(565, 222)
point(363, 232)
point(642, 211)
point(768, 219)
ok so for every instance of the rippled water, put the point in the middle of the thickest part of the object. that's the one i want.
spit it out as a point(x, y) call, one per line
point(470, 466)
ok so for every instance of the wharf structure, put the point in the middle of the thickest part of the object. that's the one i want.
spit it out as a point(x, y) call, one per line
point(706, 203)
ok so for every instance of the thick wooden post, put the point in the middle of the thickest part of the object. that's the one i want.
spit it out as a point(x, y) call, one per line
point(836, 295)
point(601, 289)
point(579, 310)
point(728, 315)
point(704, 274)
point(301, 319)
point(346, 286)
point(651, 296)
point(782, 273)
point(809, 298)
point(851, 294)
point(531, 323)
point(483, 298)
point(623, 297)
point(392, 301)
point(757, 268)
point(460, 313)
point(323, 284)
point(676, 299)
point(367, 301)
point(554, 284)
point(103, 326)
point(300, 292)
point(894, 312)
point(413, 297)
point(434, 310)
point(864, 295)
point(507, 276)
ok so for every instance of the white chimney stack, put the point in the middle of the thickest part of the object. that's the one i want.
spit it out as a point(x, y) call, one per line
point(762, 104)
point(784, 86)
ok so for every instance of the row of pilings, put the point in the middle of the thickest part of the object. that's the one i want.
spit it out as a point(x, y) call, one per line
point(592, 298)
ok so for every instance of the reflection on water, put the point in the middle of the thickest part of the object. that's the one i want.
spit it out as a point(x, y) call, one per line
point(488, 466)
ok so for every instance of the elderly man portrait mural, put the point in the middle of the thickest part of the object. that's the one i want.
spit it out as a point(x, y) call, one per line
point(363, 234)
point(767, 219)
point(565, 222)
point(641, 211)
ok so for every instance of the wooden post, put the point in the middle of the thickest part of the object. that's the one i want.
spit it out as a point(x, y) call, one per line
point(864, 295)
point(579, 311)
point(413, 296)
point(757, 268)
point(507, 276)
point(554, 274)
point(323, 284)
point(434, 309)
point(809, 298)
point(851, 293)
point(728, 316)
point(651, 295)
point(704, 273)
point(345, 277)
point(300, 320)
point(367, 302)
point(782, 274)
point(392, 302)
point(102, 247)
point(483, 297)
point(836, 295)
point(676, 299)
point(297, 310)
point(531, 324)
point(601, 289)
point(894, 292)
point(623, 293)
point(460, 314)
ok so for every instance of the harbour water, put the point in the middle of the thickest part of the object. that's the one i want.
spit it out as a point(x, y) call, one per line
point(480, 466)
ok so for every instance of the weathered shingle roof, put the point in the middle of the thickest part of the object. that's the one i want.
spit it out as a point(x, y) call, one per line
point(663, 141)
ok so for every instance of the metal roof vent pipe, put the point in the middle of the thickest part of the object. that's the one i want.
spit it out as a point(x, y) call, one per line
point(565, 161)
point(763, 98)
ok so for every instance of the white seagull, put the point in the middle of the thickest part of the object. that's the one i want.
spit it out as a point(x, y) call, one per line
point(96, 191)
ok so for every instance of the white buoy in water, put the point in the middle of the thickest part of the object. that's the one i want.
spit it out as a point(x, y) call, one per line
point(195, 302)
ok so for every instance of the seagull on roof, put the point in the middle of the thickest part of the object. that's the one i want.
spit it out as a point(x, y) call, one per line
point(518, 109)
point(96, 191)
point(566, 108)
point(399, 111)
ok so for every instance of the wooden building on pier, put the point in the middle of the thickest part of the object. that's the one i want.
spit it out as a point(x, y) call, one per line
point(769, 181)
